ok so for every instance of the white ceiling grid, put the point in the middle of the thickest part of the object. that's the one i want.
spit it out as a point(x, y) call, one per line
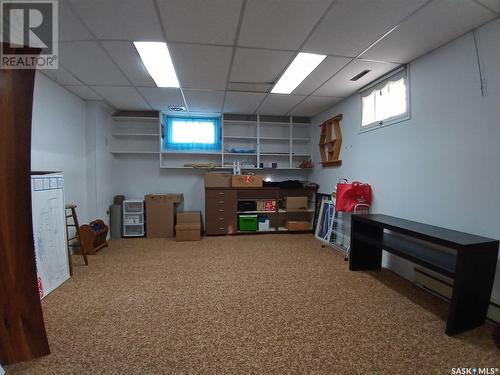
point(228, 53)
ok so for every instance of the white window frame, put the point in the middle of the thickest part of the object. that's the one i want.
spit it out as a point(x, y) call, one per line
point(403, 71)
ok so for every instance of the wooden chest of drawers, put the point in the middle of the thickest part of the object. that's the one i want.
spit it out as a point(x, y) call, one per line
point(220, 211)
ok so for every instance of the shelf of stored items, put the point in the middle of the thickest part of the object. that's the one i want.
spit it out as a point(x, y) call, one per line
point(250, 140)
point(221, 208)
point(135, 132)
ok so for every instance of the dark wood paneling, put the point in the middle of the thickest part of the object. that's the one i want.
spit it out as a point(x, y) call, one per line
point(22, 330)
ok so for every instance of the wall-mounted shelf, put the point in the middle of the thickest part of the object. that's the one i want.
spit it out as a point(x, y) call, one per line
point(283, 140)
point(135, 135)
point(330, 142)
point(191, 153)
point(134, 152)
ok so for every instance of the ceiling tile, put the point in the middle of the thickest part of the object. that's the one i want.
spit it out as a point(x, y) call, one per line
point(161, 97)
point(201, 67)
point(126, 57)
point(280, 24)
point(84, 92)
point(250, 87)
point(204, 100)
point(242, 102)
point(258, 65)
point(213, 21)
point(314, 105)
point(89, 62)
point(70, 26)
point(436, 24)
point(277, 104)
point(492, 4)
point(61, 76)
point(352, 25)
point(321, 74)
point(125, 98)
point(121, 19)
point(341, 85)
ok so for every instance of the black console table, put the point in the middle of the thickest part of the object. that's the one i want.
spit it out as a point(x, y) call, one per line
point(468, 259)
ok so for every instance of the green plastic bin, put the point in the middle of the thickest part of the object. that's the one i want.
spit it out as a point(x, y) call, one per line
point(247, 223)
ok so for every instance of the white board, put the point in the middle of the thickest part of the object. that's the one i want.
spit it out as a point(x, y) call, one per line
point(49, 231)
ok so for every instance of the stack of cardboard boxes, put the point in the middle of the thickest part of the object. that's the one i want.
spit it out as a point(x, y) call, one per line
point(188, 227)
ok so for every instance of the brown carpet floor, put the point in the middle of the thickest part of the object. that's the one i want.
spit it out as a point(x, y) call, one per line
point(268, 304)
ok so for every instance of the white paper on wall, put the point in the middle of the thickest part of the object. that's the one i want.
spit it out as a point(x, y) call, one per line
point(49, 231)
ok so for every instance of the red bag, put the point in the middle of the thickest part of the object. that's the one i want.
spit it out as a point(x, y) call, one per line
point(349, 195)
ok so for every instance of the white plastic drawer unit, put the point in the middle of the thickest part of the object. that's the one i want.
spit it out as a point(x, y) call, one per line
point(133, 230)
point(133, 206)
point(133, 218)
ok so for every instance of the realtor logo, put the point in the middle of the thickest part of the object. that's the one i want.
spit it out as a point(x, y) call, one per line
point(27, 25)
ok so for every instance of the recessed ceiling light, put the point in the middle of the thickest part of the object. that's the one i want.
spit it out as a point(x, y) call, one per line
point(299, 69)
point(156, 58)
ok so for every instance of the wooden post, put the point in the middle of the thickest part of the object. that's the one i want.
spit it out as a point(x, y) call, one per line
point(22, 329)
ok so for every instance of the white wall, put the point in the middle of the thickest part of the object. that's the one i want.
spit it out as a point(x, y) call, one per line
point(58, 138)
point(100, 181)
point(442, 166)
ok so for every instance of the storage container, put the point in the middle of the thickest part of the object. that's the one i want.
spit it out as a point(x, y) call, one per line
point(263, 222)
point(296, 203)
point(218, 179)
point(243, 181)
point(160, 214)
point(247, 206)
point(188, 226)
point(298, 225)
point(247, 223)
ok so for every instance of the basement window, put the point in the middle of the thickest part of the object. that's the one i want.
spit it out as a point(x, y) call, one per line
point(385, 101)
point(191, 134)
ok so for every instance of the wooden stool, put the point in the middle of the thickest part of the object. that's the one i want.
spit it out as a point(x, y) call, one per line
point(72, 214)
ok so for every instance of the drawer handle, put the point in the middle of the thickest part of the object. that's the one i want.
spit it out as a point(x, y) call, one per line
point(221, 210)
point(221, 193)
point(221, 202)
point(221, 218)
point(221, 228)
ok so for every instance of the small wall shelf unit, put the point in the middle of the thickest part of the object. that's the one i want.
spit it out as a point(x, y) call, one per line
point(135, 133)
point(255, 141)
point(133, 218)
point(330, 142)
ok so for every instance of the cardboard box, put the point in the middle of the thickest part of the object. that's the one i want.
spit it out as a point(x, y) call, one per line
point(296, 203)
point(189, 217)
point(218, 179)
point(298, 225)
point(243, 181)
point(188, 226)
point(160, 214)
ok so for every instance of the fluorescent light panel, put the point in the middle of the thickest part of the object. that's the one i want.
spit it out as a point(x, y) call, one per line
point(299, 69)
point(156, 58)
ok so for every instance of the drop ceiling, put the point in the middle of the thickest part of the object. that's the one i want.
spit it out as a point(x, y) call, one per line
point(229, 53)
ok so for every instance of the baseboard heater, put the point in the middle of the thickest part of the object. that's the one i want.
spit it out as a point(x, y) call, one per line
point(443, 287)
